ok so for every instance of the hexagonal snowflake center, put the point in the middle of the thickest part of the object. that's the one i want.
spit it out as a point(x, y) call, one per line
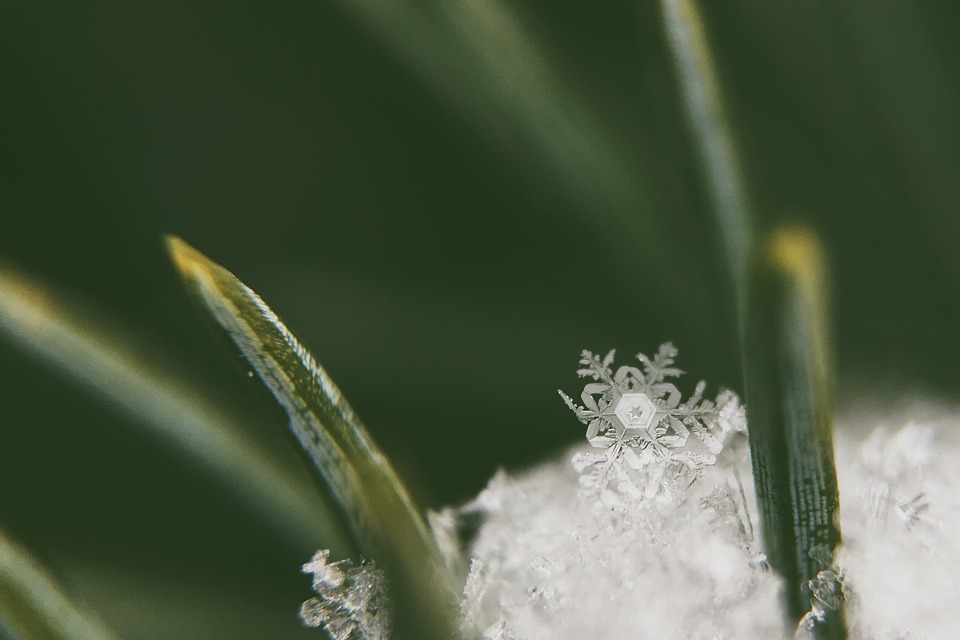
point(635, 411)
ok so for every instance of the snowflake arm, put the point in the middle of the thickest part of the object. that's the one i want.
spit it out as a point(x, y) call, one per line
point(593, 366)
point(660, 367)
point(582, 413)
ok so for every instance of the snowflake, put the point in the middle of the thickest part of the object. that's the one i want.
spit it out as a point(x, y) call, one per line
point(637, 416)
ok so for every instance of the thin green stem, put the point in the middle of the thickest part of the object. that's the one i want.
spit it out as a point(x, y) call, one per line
point(32, 605)
point(714, 140)
point(337, 447)
point(780, 311)
point(88, 350)
point(790, 411)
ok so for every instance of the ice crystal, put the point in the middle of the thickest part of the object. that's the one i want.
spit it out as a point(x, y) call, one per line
point(827, 592)
point(351, 602)
point(637, 416)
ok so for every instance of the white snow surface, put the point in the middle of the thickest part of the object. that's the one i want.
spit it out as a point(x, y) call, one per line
point(554, 560)
point(900, 501)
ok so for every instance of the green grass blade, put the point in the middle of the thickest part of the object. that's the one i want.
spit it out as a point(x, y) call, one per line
point(493, 71)
point(91, 352)
point(338, 448)
point(483, 61)
point(781, 317)
point(32, 605)
point(715, 144)
point(789, 405)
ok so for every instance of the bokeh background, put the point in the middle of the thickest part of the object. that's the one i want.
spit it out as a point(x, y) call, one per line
point(447, 200)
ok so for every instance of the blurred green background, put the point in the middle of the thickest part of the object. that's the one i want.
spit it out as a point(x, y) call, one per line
point(447, 200)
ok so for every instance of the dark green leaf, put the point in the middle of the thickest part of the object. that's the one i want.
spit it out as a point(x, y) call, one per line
point(714, 143)
point(779, 302)
point(491, 69)
point(374, 502)
point(119, 369)
point(32, 605)
point(789, 405)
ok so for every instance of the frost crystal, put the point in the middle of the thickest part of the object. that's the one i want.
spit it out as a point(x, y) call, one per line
point(637, 416)
point(901, 523)
point(827, 592)
point(351, 602)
